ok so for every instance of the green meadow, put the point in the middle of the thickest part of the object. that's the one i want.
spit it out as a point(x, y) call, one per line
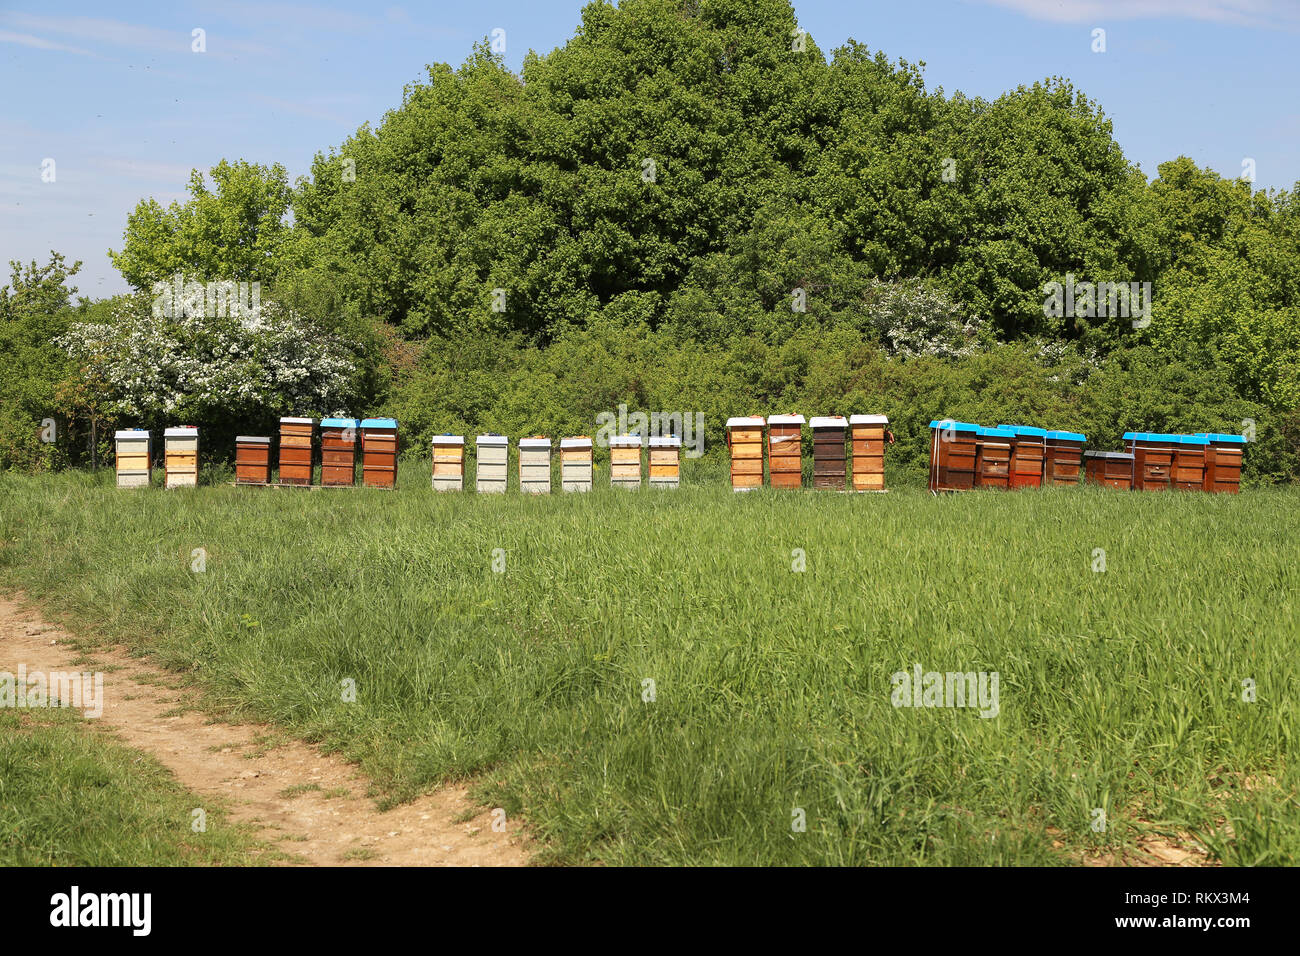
point(701, 677)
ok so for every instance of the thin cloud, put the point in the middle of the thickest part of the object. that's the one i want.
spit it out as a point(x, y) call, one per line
point(37, 43)
point(133, 36)
point(1256, 13)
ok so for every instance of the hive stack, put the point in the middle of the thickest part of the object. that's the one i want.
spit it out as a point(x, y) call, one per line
point(829, 432)
point(1114, 469)
point(785, 451)
point(535, 465)
point(665, 461)
point(448, 462)
point(1223, 462)
point(379, 452)
point(575, 463)
point(134, 456)
point(1153, 459)
point(868, 435)
point(338, 451)
point(181, 457)
point(625, 461)
point(993, 457)
point(252, 460)
point(952, 455)
point(492, 465)
point(1064, 458)
point(296, 435)
point(1188, 472)
point(745, 440)
point(1028, 453)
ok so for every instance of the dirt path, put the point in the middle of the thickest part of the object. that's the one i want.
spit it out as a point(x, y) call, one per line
point(311, 806)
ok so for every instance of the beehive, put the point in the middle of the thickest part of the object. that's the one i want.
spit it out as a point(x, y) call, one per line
point(952, 455)
point(181, 457)
point(134, 458)
point(993, 457)
point(1114, 469)
point(575, 463)
point(252, 460)
point(296, 438)
point(1064, 458)
point(493, 460)
point(829, 434)
point(1028, 452)
point(665, 461)
point(785, 451)
point(379, 449)
point(745, 441)
point(625, 461)
point(1153, 459)
point(448, 462)
point(867, 433)
point(535, 465)
point(338, 451)
point(1223, 462)
point(1189, 462)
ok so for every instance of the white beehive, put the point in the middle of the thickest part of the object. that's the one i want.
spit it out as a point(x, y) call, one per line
point(575, 463)
point(134, 456)
point(493, 459)
point(535, 465)
point(665, 461)
point(181, 457)
point(625, 461)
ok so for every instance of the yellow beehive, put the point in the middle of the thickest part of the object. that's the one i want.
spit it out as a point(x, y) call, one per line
point(665, 461)
point(134, 457)
point(625, 461)
point(535, 465)
point(575, 463)
point(867, 432)
point(181, 457)
point(745, 440)
point(491, 467)
point(448, 462)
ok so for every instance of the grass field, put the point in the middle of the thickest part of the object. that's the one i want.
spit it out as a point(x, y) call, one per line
point(1120, 690)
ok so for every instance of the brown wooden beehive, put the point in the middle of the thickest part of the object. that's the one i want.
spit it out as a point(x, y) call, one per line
point(867, 434)
point(745, 444)
point(1063, 462)
point(1153, 459)
point(1223, 463)
point(252, 460)
point(338, 451)
point(830, 433)
point(181, 457)
point(785, 450)
point(952, 455)
point(1189, 462)
point(1028, 456)
point(1114, 469)
point(133, 452)
point(993, 457)
point(297, 437)
point(379, 447)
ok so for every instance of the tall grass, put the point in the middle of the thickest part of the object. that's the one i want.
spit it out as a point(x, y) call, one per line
point(1119, 689)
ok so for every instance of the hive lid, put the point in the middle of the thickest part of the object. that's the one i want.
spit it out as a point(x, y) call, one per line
point(1224, 439)
point(131, 433)
point(1123, 455)
point(827, 421)
point(252, 439)
point(746, 421)
point(298, 421)
point(998, 432)
point(665, 441)
point(181, 431)
point(335, 422)
point(448, 439)
point(578, 441)
point(1191, 440)
point(1029, 431)
point(868, 419)
point(1067, 436)
point(537, 441)
point(1150, 436)
point(785, 419)
point(492, 440)
point(947, 424)
point(626, 441)
point(379, 423)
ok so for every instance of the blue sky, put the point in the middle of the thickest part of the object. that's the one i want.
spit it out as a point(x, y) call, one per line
point(116, 97)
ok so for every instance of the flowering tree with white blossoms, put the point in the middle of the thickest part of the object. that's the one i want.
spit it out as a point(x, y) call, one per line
point(200, 368)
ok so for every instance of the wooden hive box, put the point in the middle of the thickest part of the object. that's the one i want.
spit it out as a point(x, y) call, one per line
point(993, 449)
point(1189, 462)
point(338, 451)
point(829, 459)
point(952, 455)
point(133, 453)
point(625, 461)
point(296, 440)
point(665, 461)
point(448, 462)
point(181, 457)
point(1028, 456)
point(575, 463)
point(1114, 469)
point(493, 462)
point(1223, 462)
point(745, 442)
point(535, 465)
point(785, 451)
point(252, 460)
point(379, 448)
point(867, 433)
point(1153, 459)
point(1064, 462)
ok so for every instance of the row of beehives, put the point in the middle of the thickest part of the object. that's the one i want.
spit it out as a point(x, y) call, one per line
point(964, 455)
point(864, 434)
point(134, 457)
